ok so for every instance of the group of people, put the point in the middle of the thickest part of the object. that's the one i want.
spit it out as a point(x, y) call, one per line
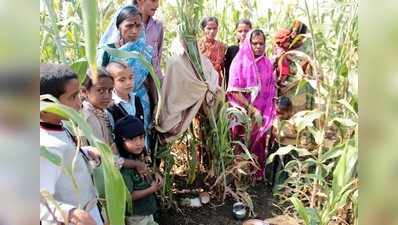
point(255, 83)
point(119, 106)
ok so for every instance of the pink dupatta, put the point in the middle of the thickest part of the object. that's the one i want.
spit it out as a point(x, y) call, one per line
point(255, 80)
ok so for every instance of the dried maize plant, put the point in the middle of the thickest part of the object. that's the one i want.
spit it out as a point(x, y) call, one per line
point(322, 179)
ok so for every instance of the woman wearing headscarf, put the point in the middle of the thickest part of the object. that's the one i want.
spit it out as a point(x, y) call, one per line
point(132, 38)
point(287, 40)
point(251, 88)
point(290, 53)
point(242, 27)
point(152, 28)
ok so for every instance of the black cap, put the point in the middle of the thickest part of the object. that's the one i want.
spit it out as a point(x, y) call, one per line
point(129, 127)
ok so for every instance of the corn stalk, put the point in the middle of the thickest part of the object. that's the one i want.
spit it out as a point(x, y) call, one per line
point(116, 191)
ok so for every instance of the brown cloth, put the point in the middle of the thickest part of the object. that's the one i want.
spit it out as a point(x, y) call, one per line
point(182, 95)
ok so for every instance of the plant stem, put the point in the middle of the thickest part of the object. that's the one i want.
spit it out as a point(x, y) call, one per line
point(53, 19)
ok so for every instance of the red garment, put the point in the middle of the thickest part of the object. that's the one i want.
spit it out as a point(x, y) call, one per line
point(282, 37)
point(214, 51)
point(283, 40)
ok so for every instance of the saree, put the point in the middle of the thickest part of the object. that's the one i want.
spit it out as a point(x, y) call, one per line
point(153, 31)
point(214, 51)
point(255, 80)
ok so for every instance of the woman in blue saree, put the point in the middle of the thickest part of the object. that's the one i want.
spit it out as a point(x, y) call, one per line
point(132, 38)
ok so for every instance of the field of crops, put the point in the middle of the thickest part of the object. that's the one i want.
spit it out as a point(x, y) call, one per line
point(322, 183)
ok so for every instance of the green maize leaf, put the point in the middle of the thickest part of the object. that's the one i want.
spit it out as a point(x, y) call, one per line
point(339, 173)
point(313, 216)
point(343, 121)
point(348, 106)
point(286, 150)
point(53, 158)
point(80, 68)
point(291, 165)
point(89, 12)
point(245, 149)
point(319, 135)
point(57, 160)
point(306, 118)
point(331, 154)
point(301, 210)
point(115, 188)
point(133, 55)
point(70, 113)
point(57, 39)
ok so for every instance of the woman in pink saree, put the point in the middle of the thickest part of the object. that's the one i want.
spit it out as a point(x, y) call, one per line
point(251, 88)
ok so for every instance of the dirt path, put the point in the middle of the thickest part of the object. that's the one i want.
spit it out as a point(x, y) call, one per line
point(208, 215)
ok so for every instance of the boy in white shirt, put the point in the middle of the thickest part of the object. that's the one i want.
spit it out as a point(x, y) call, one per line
point(62, 83)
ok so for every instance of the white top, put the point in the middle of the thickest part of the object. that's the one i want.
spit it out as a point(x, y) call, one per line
point(54, 179)
point(129, 106)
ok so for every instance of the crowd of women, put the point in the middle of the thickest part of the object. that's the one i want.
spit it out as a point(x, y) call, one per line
point(124, 97)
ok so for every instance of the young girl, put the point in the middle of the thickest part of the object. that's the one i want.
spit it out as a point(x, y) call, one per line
point(283, 134)
point(98, 96)
point(210, 47)
point(129, 137)
point(242, 27)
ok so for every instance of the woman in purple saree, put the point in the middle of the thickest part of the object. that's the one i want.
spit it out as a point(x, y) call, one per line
point(251, 88)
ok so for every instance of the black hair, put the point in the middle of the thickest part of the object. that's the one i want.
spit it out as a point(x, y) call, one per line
point(257, 32)
point(101, 72)
point(244, 21)
point(125, 13)
point(119, 141)
point(135, 2)
point(284, 103)
point(303, 29)
point(54, 77)
point(128, 127)
point(207, 19)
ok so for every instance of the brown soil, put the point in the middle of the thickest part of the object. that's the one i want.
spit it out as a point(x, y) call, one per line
point(213, 215)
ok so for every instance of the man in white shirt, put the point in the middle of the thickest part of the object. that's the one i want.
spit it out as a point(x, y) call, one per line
point(77, 205)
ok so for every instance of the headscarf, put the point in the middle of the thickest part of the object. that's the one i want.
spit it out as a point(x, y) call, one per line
point(140, 72)
point(111, 34)
point(287, 36)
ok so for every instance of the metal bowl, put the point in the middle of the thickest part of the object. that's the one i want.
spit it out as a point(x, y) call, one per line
point(239, 210)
